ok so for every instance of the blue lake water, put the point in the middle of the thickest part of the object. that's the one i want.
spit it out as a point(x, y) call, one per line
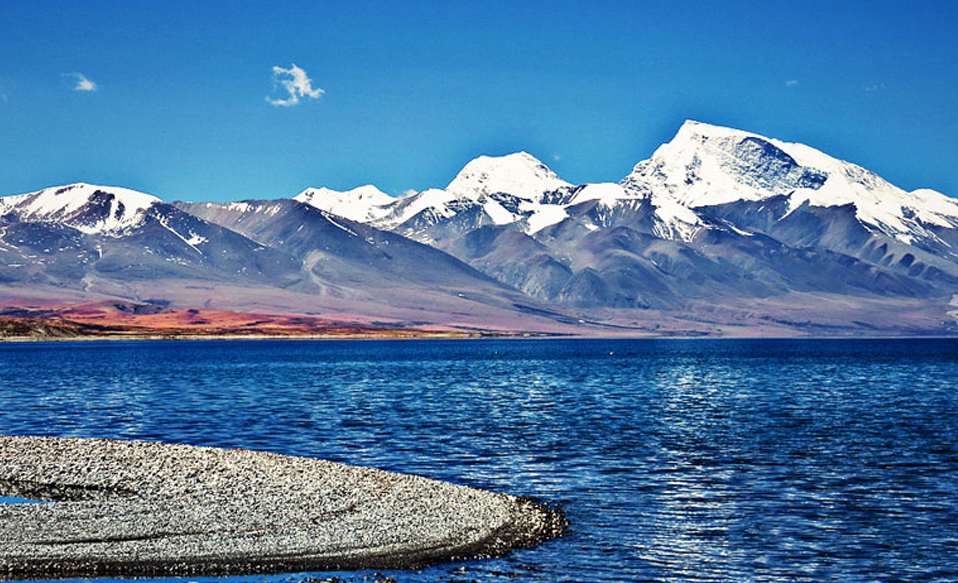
point(699, 460)
point(17, 500)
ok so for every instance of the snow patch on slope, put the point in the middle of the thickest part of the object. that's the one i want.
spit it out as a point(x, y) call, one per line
point(672, 220)
point(542, 215)
point(607, 193)
point(498, 213)
point(404, 209)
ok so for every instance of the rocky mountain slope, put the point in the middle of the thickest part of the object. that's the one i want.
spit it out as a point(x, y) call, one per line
point(344, 258)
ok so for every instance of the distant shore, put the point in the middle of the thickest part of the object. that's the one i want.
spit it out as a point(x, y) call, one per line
point(344, 336)
point(421, 335)
point(113, 325)
point(58, 329)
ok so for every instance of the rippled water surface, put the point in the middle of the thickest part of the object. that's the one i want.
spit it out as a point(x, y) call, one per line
point(675, 460)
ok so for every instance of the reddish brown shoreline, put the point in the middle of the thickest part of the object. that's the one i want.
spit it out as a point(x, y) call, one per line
point(34, 330)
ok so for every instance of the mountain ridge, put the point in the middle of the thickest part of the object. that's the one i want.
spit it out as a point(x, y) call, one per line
point(714, 220)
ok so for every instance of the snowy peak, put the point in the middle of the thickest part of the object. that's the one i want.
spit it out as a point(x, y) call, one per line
point(86, 207)
point(521, 175)
point(497, 190)
point(364, 203)
point(707, 165)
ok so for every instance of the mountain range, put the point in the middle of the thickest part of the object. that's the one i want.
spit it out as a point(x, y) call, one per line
point(719, 232)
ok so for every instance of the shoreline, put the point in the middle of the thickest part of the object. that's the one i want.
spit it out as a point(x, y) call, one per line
point(349, 336)
point(400, 336)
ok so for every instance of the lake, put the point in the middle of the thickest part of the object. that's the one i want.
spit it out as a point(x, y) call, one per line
point(675, 460)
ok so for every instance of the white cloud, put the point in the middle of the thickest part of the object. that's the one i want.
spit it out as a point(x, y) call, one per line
point(409, 192)
point(791, 83)
point(296, 83)
point(83, 82)
point(556, 157)
point(871, 87)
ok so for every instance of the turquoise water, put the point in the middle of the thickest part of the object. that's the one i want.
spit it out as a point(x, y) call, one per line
point(675, 460)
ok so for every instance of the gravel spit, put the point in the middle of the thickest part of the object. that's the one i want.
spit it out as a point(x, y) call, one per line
point(137, 509)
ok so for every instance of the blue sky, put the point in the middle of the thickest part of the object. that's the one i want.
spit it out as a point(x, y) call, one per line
point(176, 92)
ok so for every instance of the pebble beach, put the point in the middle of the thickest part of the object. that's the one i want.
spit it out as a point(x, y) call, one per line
point(133, 508)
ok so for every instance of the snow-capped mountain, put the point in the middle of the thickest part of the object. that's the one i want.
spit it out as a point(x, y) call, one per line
point(714, 211)
point(86, 241)
point(88, 208)
point(516, 190)
point(805, 199)
point(496, 190)
point(364, 203)
point(718, 225)
point(89, 237)
point(706, 165)
point(521, 174)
